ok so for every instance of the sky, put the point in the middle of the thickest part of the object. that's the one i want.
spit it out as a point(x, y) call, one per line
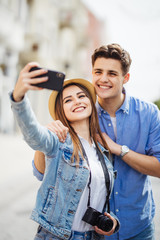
point(135, 25)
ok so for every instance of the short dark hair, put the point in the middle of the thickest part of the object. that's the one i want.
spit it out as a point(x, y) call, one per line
point(114, 51)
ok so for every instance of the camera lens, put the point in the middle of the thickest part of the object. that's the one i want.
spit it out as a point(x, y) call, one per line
point(104, 223)
point(59, 75)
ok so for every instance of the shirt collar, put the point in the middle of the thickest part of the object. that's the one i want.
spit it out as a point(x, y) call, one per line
point(124, 107)
point(84, 141)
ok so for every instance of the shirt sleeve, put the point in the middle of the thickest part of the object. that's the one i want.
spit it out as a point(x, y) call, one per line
point(153, 145)
point(36, 173)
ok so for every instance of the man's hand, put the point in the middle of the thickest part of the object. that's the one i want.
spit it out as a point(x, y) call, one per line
point(113, 147)
point(99, 231)
point(59, 129)
point(148, 165)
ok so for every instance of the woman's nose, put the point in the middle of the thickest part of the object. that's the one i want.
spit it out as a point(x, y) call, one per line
point(77, 100)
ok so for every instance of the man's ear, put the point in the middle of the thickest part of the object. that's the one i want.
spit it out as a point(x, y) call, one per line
point(126, 78)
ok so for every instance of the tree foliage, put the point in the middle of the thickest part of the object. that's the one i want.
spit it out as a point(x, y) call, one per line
point(157, 103)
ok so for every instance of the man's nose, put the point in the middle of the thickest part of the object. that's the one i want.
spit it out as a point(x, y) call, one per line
point(104, 77)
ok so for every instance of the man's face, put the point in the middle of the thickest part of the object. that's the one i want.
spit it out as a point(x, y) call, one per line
point(108, 78)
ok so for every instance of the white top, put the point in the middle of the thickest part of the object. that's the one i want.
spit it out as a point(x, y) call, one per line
point(113, 119)
point(98, 189)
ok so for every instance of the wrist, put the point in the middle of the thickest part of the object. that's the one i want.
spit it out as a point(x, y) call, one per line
point(16, 98)
point(118, 150)
point(124, 151)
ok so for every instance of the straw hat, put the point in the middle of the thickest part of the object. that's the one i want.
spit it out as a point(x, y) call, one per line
point(53, 96)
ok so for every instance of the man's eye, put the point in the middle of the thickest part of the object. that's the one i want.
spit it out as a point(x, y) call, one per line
point(113, 74)
point(97, 72)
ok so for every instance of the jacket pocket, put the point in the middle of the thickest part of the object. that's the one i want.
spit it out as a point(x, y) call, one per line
point(68, 169)
point(48, 203)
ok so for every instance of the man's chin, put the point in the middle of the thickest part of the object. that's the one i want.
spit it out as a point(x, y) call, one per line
point(103, 95)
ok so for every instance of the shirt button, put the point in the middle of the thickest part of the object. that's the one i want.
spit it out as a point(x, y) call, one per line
point(116, 193)
point(117, 210)
point(124, 111)
point(109, 124)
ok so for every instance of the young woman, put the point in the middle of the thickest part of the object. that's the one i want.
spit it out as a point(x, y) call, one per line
point(75, 182)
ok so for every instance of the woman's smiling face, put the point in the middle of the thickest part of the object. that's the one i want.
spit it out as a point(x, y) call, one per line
point(76, 104)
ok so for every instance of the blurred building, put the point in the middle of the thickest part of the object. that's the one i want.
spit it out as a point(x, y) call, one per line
point(60, 35)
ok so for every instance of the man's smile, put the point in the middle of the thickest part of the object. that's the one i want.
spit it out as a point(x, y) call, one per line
point(104, 86)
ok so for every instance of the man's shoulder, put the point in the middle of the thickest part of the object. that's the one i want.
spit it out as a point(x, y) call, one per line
point(140, 104)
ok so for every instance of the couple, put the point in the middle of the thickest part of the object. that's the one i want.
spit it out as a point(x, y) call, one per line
point(134, 130)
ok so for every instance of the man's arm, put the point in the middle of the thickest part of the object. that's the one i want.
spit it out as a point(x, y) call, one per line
point(145, 164)
point(39, 161)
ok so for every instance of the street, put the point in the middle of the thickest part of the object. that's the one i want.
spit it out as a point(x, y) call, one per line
point(18, 189)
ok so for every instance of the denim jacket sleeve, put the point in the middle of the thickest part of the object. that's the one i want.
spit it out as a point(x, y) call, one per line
point(36, 173)
point(37, 136)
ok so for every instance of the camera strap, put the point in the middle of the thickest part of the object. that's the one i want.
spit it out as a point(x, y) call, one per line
point(107, 179)
point(106, 175)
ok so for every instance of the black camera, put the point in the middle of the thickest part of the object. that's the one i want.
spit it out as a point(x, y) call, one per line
point(95, 218)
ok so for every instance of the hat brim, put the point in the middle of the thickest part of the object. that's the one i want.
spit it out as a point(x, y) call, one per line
point(53, 96)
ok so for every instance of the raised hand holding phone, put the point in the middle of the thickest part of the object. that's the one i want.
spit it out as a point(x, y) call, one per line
point(55, 79)
point(29, 78)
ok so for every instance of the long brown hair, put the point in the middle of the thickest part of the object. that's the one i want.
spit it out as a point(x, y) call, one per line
point(94, 127)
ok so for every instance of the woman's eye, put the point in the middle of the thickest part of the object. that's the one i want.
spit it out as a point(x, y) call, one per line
point(82, 96)
point(68, 100)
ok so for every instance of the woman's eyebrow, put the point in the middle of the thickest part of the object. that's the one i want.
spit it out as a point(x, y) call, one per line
point(67, 97)
point(80, 92)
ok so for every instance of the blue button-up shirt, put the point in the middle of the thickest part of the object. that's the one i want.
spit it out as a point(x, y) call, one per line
point(138, 127)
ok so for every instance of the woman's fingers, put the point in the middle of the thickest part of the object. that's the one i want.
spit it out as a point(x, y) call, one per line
point(35, 73)
point(28, 66)
point(27, 79)
point(99, 231)
point(109, 233)
point(31, 81)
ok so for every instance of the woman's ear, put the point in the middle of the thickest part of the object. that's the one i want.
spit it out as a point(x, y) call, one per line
point(126, 78)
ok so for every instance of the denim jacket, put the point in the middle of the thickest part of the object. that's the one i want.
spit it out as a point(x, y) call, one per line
point(63, 182)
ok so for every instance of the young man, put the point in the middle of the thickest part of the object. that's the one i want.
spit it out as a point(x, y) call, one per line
point(132, 130)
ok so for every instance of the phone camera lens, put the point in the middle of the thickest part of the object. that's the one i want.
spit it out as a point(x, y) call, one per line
point(59, 75)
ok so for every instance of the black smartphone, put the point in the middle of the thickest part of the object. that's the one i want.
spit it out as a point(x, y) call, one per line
point(55, 79)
